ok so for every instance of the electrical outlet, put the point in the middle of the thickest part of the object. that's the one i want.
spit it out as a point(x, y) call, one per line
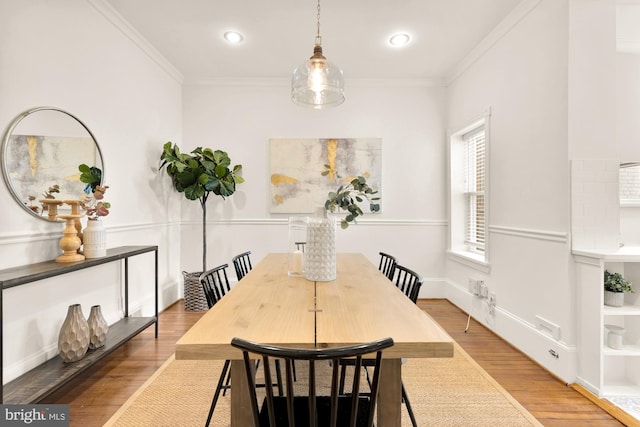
point(484, 289)
point(492, 299)
point(472, 286)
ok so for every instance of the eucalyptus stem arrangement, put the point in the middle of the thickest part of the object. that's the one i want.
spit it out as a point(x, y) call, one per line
point(348, 197)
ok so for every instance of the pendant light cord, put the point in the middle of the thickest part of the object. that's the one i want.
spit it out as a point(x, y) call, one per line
point(318, 37)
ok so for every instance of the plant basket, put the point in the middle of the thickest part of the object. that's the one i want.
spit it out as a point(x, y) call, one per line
point(194, 299)
point(613, 299)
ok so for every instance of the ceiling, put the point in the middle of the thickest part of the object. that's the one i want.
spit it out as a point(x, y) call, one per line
point(280, 34)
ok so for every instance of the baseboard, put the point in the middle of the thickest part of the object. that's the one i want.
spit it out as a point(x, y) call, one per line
point(552, 354)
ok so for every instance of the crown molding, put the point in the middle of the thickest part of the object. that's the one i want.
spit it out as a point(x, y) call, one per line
point(503, 28)
point(286, 82)
point(122, 25)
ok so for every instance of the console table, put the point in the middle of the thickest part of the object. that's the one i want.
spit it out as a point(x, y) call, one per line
point(43, 380)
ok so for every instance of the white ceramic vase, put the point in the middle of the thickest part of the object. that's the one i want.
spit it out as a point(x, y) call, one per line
point(320, 251)
point(94, 239)
point(73, 340)
point(98, 328)
point(613, 299)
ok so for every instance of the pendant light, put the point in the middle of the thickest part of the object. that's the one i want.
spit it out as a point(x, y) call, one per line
point(317, 83)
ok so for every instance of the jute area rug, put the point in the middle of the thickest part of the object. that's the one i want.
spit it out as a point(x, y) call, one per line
point(443, 392)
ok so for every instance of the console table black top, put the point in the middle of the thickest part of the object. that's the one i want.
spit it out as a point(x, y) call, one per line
point(16, 276)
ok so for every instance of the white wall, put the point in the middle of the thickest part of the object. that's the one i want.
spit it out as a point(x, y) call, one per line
point(241, 117)
point(69, 55)
point(522, 79)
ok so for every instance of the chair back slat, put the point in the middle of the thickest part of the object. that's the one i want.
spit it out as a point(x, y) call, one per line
point(408, 281)
point(242, 264)
point(312, 355)
point(355, 391)
point(215, 284)
point(334, 392)
point(387, 265)
point(268, 387)
point(252, 389)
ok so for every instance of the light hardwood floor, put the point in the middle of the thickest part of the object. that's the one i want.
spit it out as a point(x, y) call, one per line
point(97, 394)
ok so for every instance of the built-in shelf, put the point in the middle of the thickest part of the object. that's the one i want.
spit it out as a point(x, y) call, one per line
point(603, 370)
point(46, 378)
point(623, 254)
point(626, 350)
point(625, 310)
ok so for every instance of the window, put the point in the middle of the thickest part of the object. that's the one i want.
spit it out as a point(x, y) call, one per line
point(468, 193)
point(629, 183)
point(475, 183)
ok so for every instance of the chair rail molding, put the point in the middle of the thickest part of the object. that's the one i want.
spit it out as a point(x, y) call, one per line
point(552, 236)
point(285, 221)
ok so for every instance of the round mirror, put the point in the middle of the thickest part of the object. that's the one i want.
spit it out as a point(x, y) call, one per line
point(41, 151)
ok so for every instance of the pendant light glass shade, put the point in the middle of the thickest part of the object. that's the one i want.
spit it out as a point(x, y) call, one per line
point(317, 83)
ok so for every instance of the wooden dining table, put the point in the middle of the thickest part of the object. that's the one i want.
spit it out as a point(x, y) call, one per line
point(361, 305)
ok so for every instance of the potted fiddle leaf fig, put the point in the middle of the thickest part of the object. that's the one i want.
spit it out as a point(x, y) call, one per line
point(198, 175)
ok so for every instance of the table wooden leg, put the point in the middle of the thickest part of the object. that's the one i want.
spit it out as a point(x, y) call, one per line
point(390, 394)
point(241, 415)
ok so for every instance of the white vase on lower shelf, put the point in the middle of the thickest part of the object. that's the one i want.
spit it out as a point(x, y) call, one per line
point(94, 239)
point(98, 328)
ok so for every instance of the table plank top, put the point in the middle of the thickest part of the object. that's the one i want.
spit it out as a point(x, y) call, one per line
point(360, 305)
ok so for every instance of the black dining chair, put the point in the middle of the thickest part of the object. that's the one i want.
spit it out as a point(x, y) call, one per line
point(242, 264)
point(215, 285)
point(309, 409)
point(387, 265)
point(409, 282)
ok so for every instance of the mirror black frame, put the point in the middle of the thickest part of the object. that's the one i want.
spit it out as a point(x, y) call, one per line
point(5, 143)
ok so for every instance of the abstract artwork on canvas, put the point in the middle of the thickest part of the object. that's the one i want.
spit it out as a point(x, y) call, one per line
point(297, 183)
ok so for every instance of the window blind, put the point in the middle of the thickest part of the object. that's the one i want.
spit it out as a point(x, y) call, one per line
point(475, 188)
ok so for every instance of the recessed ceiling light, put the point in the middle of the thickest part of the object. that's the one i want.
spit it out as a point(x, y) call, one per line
point(233, 37)
point(399, 39)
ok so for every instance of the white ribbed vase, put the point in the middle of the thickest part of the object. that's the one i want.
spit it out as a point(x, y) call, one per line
point(320, 253)
point(94, 239)
point(614, 299)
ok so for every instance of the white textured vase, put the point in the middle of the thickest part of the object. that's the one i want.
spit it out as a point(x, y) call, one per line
point(73, 340)
point(320, 252)
point(613, 299)
point(98, 328)
point(94, 239)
